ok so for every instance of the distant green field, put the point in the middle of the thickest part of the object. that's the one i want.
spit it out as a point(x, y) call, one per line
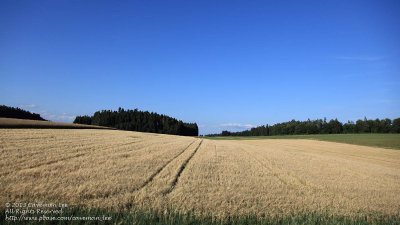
point(376, 140)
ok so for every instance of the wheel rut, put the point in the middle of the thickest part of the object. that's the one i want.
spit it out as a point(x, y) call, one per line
point(183, 166)
point(162, 167)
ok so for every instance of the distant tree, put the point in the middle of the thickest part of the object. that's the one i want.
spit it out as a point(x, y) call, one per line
point(349, 127)
point(225, 133)
point(300, 128)
point(385, 125)
point(136, 120)
point(11, 112)
point(396, 125)
point(83, 120)
point(335, 127)
point(320, 127)
point(324, 127)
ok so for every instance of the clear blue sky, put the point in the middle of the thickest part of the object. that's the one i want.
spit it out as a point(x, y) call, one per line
point(223, 64)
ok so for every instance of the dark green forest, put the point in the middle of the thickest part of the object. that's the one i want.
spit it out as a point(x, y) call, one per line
point(144, 121)
point(11, 112)
point(136, 120)
point(320, 127)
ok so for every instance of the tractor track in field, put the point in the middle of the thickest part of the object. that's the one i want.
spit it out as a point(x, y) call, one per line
point(183, 166)
point(162, 167)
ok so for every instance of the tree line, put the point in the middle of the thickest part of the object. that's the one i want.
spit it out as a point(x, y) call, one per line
point(136, 120)
point(320, 127)
point(11, 112)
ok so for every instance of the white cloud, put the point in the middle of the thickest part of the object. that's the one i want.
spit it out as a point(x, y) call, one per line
point(236, 126)
point(27, 106)
point(64, 117)
point(361, 58)
point(53, 116)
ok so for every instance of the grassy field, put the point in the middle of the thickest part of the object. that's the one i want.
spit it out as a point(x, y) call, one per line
point(376, 140)
point(166, 179)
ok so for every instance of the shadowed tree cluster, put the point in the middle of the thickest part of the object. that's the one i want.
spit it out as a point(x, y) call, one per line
point(11, 112)
point(136, 120)
point(320, 127)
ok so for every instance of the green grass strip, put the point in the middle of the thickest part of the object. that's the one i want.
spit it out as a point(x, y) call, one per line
point(391, 141)
point(138, 217)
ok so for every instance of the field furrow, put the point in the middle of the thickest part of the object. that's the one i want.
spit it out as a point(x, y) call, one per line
point(176, 178)
point(162, 167)
point(154, 195)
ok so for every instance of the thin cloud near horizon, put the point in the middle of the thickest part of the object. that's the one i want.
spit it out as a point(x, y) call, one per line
point(27, 106)
point(236, 125)
point(63, 117)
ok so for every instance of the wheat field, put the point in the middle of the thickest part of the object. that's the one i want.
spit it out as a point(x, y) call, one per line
point(123, 170)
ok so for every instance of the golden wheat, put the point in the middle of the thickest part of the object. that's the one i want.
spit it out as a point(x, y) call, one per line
point(132, 170)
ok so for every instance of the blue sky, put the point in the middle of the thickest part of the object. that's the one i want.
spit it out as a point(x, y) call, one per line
point(223, 64)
